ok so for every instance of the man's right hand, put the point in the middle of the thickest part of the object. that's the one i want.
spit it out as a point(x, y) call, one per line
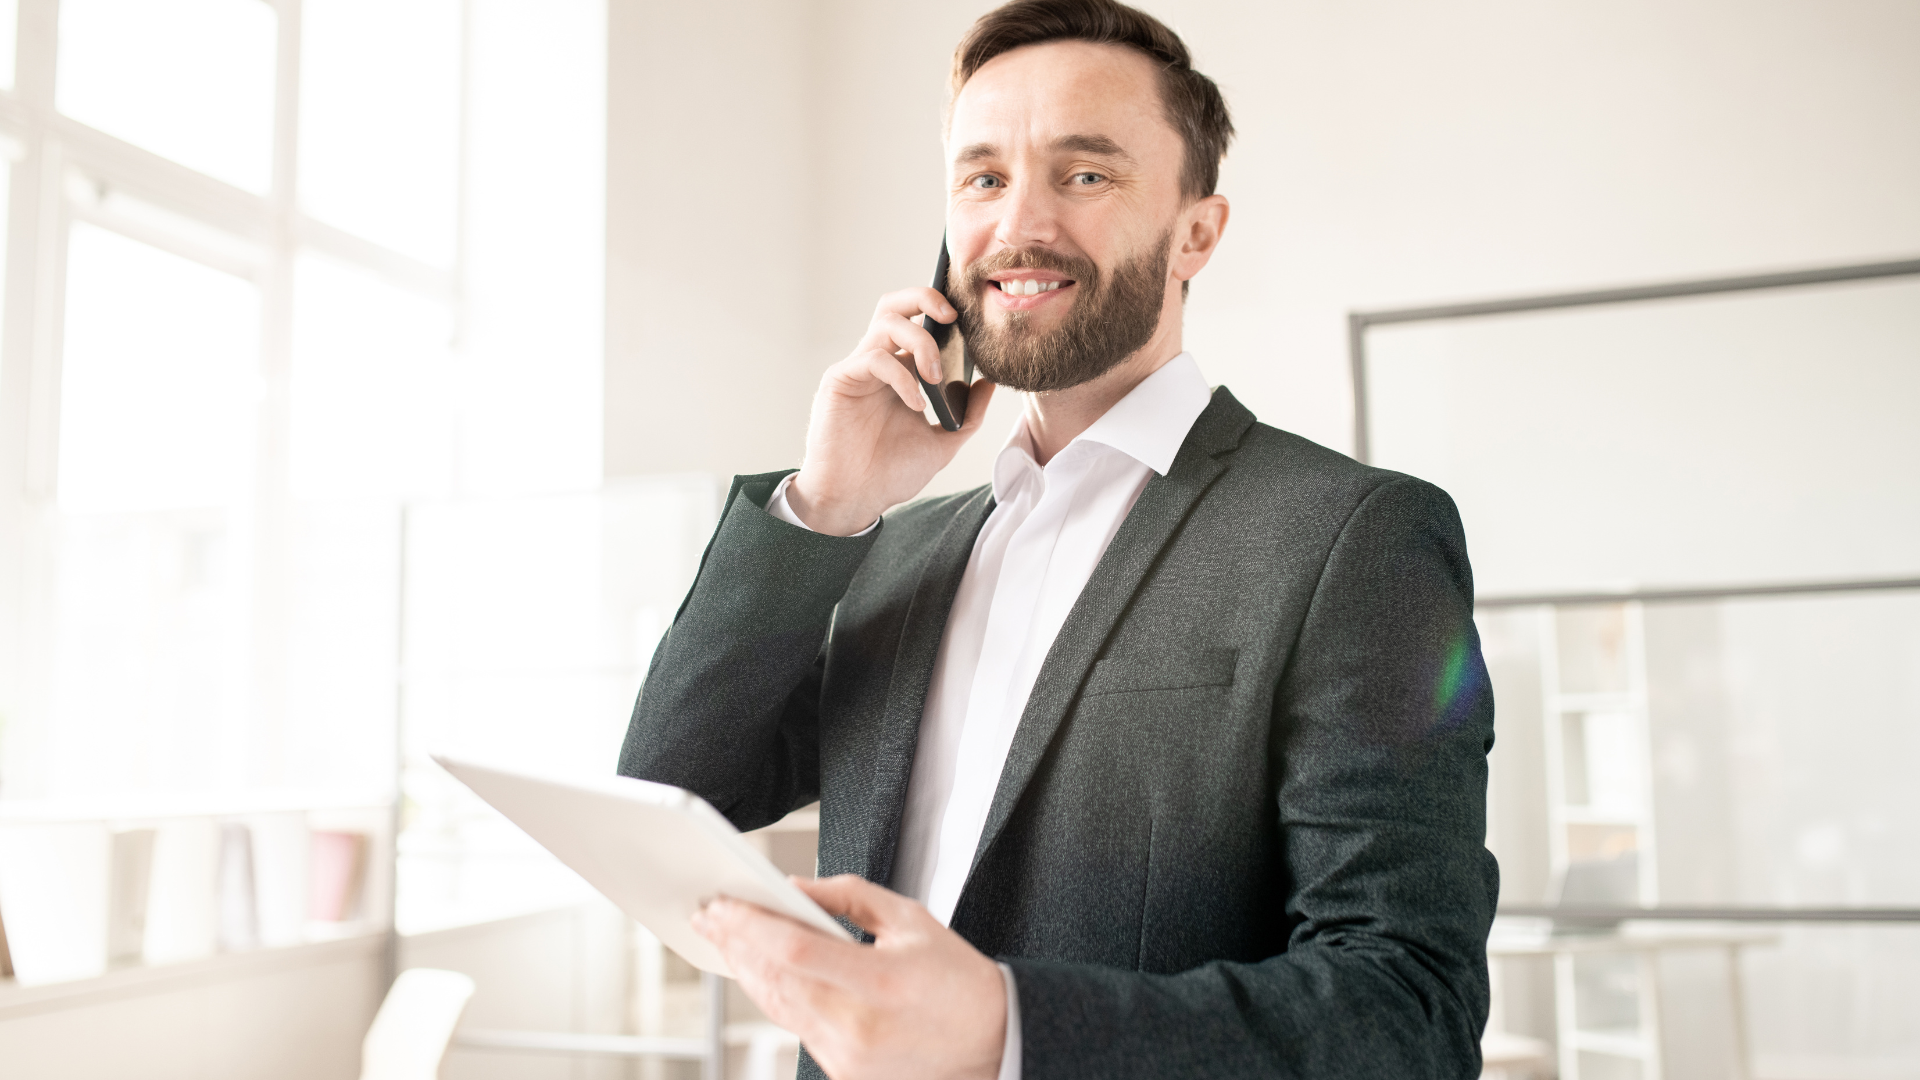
point(869, 446)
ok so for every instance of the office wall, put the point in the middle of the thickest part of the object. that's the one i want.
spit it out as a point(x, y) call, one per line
point(774, 167)
point(709, 179)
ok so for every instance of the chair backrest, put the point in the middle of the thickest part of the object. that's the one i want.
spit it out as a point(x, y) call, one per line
point(410, 1033)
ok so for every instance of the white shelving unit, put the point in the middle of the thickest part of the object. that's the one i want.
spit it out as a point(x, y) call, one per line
point(1602, 843)
point(206, 874)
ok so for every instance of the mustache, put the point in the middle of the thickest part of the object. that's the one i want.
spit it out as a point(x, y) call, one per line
point(1081, 270)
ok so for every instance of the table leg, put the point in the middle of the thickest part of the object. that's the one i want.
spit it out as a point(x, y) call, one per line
point(1654, 1065)
point(1566, 1017)
point(1737, 1001)
point(714, 1066)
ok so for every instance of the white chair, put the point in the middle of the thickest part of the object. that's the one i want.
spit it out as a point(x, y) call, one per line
point(1503, 1055)
point(410, 1033)
point(765, 1043)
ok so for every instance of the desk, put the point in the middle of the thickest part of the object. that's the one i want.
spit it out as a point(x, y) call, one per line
point(1644, 941)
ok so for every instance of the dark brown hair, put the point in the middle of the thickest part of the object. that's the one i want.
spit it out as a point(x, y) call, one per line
point(1192, 102)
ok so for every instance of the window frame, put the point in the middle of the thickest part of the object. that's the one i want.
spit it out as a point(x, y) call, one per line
point(51, 158)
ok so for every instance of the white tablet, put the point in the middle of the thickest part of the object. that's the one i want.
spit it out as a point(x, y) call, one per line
point(655, 850)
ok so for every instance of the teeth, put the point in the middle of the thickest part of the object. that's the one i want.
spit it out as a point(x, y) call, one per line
point(1029, 287)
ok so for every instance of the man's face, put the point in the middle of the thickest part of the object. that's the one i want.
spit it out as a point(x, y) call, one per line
point(1064, 194)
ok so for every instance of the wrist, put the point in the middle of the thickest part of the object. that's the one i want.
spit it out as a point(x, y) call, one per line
point(826, 514)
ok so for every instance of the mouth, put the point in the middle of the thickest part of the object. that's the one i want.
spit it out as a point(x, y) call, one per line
point(1024, 290)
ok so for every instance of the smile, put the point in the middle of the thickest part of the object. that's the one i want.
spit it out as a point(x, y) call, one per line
point(1028, 286)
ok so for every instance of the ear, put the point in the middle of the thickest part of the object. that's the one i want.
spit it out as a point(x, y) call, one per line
point(1197, 235)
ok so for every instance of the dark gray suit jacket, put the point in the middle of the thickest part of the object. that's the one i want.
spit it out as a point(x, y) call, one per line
point(1239, 832)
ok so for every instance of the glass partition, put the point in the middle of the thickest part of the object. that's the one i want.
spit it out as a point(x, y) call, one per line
point(1691, 513)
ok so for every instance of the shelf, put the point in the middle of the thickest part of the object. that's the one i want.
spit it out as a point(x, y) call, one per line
point(1626, 1043)
point(141, 979)
point(1632, 937)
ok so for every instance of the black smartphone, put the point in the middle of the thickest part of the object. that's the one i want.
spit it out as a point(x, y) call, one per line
point(950, 401)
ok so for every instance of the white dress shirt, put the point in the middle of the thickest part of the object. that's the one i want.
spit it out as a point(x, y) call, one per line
point(1049, 527)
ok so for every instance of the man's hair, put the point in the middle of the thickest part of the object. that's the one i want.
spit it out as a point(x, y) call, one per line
point(1192, 102)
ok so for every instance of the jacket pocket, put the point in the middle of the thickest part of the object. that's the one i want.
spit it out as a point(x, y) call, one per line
point(1162, 669)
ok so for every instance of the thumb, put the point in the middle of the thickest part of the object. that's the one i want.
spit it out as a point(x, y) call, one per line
point(880, 911)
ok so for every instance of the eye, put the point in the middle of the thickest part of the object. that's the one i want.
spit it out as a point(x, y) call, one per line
point(986, 181)
point(1088, 179)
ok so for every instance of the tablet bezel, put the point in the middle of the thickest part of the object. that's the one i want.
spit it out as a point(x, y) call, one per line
point(516, 792)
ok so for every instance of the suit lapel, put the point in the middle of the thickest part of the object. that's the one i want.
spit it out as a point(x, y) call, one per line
point(899, 730)
point(1164, 504)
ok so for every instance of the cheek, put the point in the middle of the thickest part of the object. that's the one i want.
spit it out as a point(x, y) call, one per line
point(1108, 231)
point(969, 232)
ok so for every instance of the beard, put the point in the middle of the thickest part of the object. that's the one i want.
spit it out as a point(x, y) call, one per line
point(1112, 318)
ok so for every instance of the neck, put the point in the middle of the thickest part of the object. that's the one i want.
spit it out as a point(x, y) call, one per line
point(1057, 417)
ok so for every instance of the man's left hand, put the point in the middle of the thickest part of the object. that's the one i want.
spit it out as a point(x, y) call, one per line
point(919, 1001)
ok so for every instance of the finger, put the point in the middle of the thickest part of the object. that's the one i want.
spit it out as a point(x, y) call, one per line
point(790, 998)
point(979, 395)
point(778, 947)
point(894, 373)
point(897, 334)
point(919, 301)
point(880, 910)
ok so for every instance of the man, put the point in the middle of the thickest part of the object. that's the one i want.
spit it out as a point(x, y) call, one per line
point(1162, 756)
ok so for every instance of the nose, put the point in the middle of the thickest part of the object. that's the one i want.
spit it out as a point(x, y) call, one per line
point(1028, 217)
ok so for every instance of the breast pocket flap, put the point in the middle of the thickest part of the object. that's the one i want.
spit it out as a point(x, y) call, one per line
point(1163, 669)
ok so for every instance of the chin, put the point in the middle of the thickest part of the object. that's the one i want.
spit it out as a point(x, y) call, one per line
point(1029, 322)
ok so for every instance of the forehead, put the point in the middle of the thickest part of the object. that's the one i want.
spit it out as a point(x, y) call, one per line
point(1030, 97)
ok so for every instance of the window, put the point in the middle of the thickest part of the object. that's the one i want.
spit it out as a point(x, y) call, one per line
point(275, 269)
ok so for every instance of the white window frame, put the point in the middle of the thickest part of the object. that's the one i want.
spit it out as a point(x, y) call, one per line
point(53, 156)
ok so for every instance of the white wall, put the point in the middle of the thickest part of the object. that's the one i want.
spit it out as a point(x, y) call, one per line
point(709, 176)
point(774, 167)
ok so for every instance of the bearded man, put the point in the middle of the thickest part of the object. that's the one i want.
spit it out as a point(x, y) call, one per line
point(1164, 755)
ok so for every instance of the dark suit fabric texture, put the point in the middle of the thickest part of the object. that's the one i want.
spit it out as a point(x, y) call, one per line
point(1240, 829)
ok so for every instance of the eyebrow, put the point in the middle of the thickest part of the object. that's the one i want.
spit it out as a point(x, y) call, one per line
point(1097, 145)
point(976, 152)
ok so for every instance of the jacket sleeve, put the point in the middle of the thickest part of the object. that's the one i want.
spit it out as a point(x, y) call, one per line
point(1382, 724)
point(730, 706)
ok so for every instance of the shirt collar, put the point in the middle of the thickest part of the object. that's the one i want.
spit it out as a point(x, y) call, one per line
point(1149, 425)
point(1151, 422)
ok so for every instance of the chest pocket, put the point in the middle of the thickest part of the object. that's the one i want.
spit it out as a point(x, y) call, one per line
point(1162, 669)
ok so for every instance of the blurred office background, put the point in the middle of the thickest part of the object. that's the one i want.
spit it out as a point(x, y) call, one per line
point(370, 371)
